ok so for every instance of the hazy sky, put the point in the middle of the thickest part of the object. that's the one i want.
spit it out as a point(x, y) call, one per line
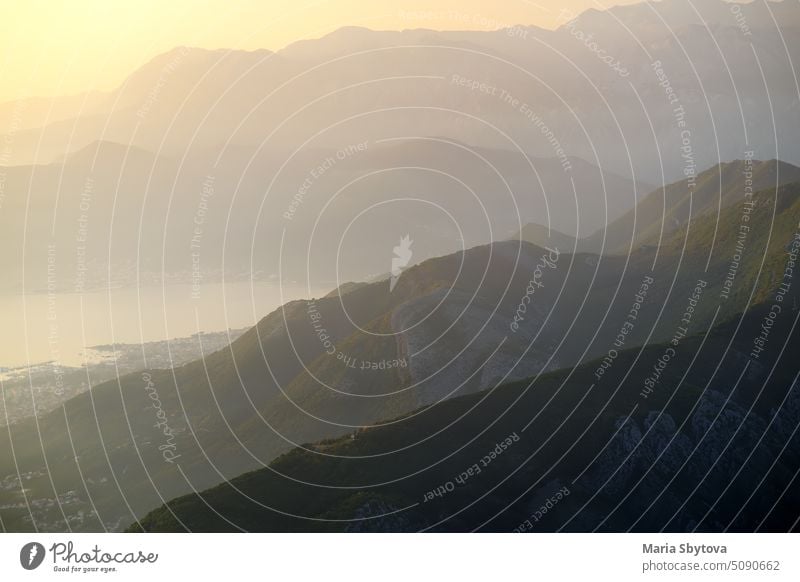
point(60, 47)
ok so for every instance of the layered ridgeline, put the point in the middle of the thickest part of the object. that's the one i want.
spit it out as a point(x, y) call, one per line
point(111, 215)
point(235, 139)
point(664, 210)
point(695, 433)
point(322, 369)
point(547, 90)
point(712, 447)
point(667, 209)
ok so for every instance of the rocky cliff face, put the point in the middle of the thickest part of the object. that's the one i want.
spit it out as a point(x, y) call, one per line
point(680, 475)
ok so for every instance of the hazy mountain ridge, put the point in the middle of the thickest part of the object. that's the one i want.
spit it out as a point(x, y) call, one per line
point(257, 124)
point(614, 479)
point(304, 167)
point(168, 98)
point(663, 211)
point(135, 211)
point(225, 411)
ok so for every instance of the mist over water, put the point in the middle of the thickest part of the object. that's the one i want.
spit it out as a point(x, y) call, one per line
point(501, 279)
point(59, 327)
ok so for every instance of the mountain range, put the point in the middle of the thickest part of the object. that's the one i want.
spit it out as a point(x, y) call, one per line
point(664, 210)
point(377, 84)
point(557, 273)
point(326, 368)
point(461, 138)
point(562, 452)
point(690, 433)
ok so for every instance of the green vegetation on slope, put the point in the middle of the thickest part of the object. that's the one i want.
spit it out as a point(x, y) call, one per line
point(382, 478)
